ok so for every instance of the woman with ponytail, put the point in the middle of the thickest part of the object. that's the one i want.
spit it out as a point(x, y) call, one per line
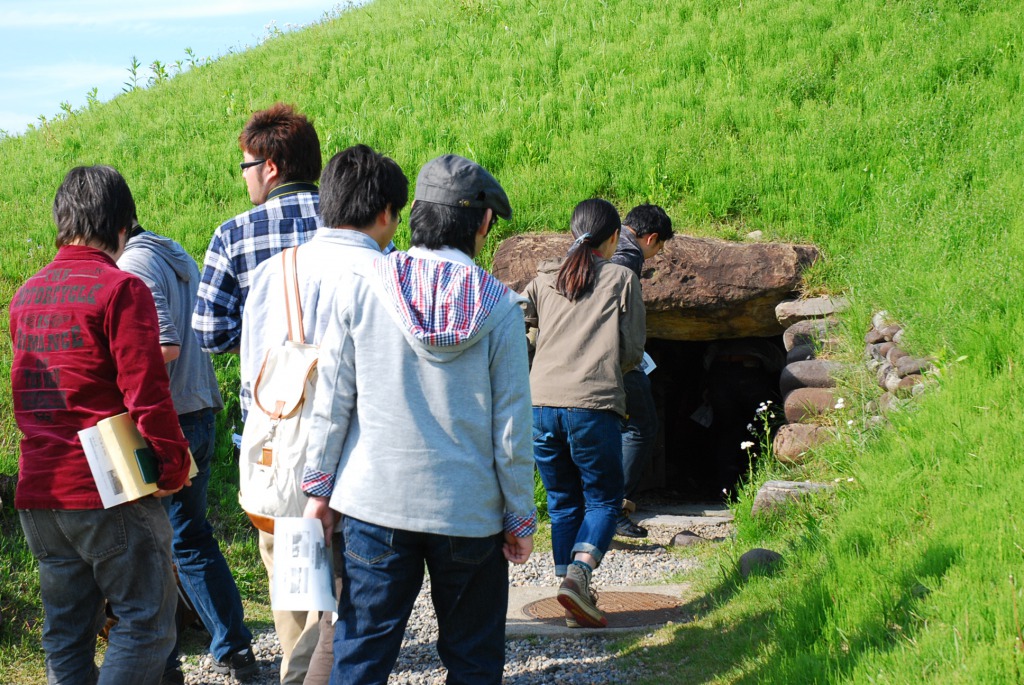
point(590, 328)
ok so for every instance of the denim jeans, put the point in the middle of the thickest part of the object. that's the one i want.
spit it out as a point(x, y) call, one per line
point(122, 554)
point(579, 457)
point(641, 429)
point(202, 570)
point(382, 572)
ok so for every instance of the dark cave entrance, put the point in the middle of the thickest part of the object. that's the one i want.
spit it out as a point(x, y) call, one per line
point(707, 394)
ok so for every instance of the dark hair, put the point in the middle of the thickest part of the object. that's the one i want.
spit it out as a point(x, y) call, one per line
point(593, 222)
point(647, 219)
point(358, 184)
point(93, 204)
point(281, 134)
point(434, 226)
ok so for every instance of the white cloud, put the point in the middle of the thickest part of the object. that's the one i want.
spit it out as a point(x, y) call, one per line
point(107, 12)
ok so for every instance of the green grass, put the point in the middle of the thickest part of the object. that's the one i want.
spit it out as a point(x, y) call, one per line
point(21, 656)
point(886, 132)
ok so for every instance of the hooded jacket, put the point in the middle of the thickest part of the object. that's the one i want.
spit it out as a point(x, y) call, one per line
point(422, 416)
point(172, 276)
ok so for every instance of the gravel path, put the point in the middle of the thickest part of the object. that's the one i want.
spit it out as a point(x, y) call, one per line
point(529, 661)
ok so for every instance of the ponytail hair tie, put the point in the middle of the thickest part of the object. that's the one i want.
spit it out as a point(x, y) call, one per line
point(581, 240)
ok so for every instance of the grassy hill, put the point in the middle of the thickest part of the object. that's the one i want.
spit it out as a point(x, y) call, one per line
point(889, 133)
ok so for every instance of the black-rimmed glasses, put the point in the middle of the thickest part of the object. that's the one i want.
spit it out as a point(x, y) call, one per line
point(245, 165)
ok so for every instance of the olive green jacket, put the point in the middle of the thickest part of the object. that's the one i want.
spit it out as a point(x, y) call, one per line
point(583, 348)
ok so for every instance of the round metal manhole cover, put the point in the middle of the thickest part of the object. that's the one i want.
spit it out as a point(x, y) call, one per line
point(623, 609)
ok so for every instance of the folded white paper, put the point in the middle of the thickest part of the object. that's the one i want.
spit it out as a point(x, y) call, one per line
point(303, 579)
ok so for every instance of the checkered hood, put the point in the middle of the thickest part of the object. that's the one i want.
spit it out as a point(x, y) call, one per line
point(440, 303)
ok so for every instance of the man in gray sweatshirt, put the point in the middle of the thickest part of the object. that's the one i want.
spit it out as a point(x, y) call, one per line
point(173, 277)
point(421, 437)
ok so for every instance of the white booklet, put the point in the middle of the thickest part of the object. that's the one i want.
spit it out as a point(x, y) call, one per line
point(303, 579)
point(122, 464)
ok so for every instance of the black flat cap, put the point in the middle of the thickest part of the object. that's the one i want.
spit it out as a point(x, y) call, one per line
point(459, 182)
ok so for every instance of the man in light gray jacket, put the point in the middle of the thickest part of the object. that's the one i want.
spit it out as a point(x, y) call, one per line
point(421, 437)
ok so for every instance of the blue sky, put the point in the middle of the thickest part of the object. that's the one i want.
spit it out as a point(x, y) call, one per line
point(54, 51)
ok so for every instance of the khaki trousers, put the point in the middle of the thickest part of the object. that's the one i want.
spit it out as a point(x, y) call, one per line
point(298, 631)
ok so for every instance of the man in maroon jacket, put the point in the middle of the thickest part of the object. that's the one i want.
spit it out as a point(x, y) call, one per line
point(86, 347)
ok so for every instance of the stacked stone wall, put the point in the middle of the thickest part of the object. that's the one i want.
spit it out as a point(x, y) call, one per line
point(809, 379)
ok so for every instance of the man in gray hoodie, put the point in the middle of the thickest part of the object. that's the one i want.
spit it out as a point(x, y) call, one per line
point(173, 277)
point(421, 437)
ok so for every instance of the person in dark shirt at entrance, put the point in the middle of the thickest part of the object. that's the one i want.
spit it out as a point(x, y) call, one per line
point(644, 233)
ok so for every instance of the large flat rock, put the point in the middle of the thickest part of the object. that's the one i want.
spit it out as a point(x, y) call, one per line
point(696, 289)
point(774, 494)
point(682, 516)
point(790, 312)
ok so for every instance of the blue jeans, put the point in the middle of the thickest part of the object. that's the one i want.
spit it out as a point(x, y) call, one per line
point(202, 570)
point(579, 457)
point(382, 572)
point(641, 429)
point(122, 554)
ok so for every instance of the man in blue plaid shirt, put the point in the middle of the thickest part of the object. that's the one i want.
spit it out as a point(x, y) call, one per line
point(280, 164)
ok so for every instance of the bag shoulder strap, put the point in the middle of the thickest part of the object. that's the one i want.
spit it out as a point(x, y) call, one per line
point(292, 301)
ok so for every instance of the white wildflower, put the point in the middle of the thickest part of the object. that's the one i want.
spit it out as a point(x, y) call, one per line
point(746, 445)
point(850, 422)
